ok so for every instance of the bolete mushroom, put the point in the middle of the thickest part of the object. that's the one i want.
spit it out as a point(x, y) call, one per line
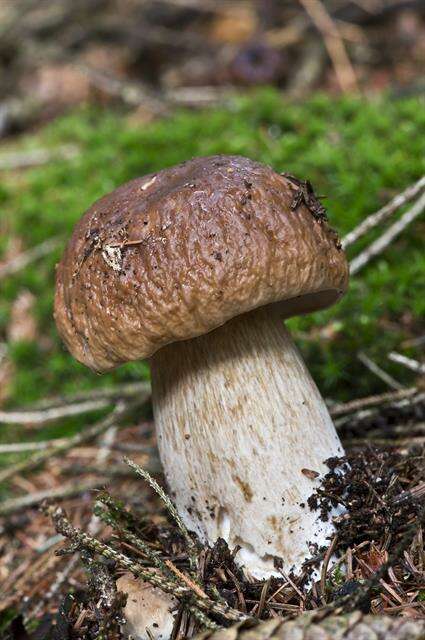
point(194, 267)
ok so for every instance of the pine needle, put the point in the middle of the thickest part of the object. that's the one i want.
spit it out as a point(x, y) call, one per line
point(167, 501)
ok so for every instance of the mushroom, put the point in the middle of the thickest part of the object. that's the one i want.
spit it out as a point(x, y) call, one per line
point(195, 267)
point(148, 611)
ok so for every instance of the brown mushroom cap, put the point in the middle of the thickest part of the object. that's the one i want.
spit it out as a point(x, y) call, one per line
point(175, 254)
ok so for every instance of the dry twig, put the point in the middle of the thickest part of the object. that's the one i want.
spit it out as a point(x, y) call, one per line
point(334, 44)
point(44, 416)
point(22, 260)
point(23, 447)
point(386, 238)
point(365, 415)
point(411, 364)
point(385, 212)
point(380, 373)
point(120, 411)
point(34, 157)
point(37, 497)
point(118, 392)
point(371, 401)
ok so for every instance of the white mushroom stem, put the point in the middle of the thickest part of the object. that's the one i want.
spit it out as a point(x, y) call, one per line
point(242, 432)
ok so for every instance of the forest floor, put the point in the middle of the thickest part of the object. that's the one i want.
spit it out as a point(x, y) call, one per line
point(89, 102)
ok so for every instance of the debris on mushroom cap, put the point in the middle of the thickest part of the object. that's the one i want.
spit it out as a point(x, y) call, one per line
point(148, 611)
point(175, 254)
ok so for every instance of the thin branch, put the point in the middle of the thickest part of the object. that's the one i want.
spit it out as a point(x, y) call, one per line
point(411, 364)
point(120, 411)
point(325, 565)
point(22, 260)
point(385, 212)
point(118, 392)
point(74, 405)
point(55, 413)
point(394, 438)
point(184, 578)
point(35, 157)
point(380, 373)
point(42, 445)
point(23, 447)
point(416, 493)
point(386, 238)
point(37, 497)
point(334, 44)
point(371, 401)
point(366, 416)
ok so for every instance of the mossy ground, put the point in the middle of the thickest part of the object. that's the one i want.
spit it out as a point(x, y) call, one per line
point(358, 153)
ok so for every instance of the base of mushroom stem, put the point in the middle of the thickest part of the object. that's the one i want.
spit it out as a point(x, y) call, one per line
point(264, 568)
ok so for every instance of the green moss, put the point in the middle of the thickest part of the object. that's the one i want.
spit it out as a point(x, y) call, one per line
point(358, 153)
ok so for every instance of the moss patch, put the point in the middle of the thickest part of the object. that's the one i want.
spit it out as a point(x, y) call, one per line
point(357, 153)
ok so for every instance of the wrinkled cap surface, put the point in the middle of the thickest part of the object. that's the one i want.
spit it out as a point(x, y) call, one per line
point(175, 254)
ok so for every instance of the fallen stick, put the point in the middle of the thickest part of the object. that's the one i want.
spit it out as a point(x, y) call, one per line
point(344, 71)
point(22, 260)
point(41, 445)
point(364, 416)
point(411, 364)
point(384, 213)
point(371, 401)
point(390, 234)
point(118, 392)
point(32, 499)
point(55, 413)
point(402, 444)
point(380, 373)
point(417, 493)
point(36, 157)
point(23, 447)
point(74, 405)
point(120, 411)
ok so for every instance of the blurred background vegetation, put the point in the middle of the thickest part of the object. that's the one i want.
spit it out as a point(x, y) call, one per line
point(96, 93)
